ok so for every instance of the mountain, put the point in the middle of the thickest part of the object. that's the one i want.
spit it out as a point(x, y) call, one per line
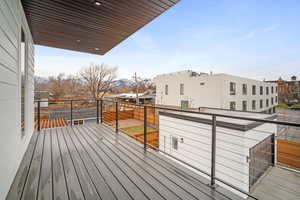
point(123, 83)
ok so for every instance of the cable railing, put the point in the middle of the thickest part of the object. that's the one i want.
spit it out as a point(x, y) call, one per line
point(232, 151)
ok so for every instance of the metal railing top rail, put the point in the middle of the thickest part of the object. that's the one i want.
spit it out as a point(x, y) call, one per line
point(189, 111)
point(245, 111)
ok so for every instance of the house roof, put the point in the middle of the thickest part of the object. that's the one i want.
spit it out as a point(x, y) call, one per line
point(131, 96)
point(235, 124)
point(41, 94)
point(93, 26)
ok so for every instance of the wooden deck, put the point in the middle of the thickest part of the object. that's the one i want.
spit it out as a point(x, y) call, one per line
point(91, 162)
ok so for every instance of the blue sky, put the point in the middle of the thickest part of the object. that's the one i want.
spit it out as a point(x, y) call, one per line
point(251, 38)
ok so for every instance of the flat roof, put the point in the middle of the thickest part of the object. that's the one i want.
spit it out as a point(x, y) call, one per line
point(92, 26)
point(237, 124)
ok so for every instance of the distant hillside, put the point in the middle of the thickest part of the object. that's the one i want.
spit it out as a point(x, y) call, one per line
point(123, 83)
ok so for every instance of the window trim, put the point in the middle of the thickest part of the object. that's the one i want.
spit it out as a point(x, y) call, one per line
point(232, 88)
point(244, 89)
point(232, 108)
point(78, 122)
point(253, 104)
point(253, 89)
point(23, 56)
point(166, 89)
point(181, 88)
point(244, 105)
point(261, 90)
point(174, 142)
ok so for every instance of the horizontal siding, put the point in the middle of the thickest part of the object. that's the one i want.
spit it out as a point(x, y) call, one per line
point(9, 31)
point(5, 10)
point(7, 76)
point(12, 145)
point(7, 61)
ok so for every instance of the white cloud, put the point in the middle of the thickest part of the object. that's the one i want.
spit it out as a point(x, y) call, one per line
point(253, 33)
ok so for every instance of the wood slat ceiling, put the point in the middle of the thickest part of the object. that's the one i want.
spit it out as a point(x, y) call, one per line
point(81, 25)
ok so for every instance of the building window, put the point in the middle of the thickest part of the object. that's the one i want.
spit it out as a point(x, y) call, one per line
point(253, 105)
point(244, 89)
point(181, 89)
point(166, 89)
point(232, 88)
point(267, 102)
point(276, 89)
point(23, 54)
point(261, 102)
point(174, 143)
point(202, 83)
point(276, 99)
point(232, 105)
point(244, 105)
point(261, 90)
point(267, 90)
point(253, 90)
point(272, 90)
point(78, 122)
point(272, 101)
point(184, 104)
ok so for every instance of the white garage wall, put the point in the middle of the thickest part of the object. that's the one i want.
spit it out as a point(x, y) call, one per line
point(195, 148)
point(12, 144)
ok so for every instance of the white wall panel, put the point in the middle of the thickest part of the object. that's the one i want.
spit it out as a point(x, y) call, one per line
point(12, 145)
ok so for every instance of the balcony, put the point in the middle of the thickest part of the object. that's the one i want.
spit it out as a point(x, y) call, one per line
point(213, 156)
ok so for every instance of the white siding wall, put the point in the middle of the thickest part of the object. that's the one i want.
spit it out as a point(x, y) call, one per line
point(214, 93)
point(12, 145)
point(197, 95)
point(239, 97)
point(232, 147)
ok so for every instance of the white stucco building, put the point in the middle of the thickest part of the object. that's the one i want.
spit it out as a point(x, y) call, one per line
point(244, 149)
point(194, 90)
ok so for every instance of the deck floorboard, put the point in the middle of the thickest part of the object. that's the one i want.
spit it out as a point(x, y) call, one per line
point(91, 162)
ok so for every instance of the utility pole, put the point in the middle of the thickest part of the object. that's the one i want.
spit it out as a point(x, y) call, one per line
point(136, 80)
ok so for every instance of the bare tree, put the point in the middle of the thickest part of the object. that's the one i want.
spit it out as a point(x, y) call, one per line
point(136, 80)
point(98, 78)
point(73, 86)
point(56, 85)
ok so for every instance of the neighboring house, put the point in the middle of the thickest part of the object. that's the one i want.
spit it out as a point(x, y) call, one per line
point(43, 97)
point(188, 89)
point(80, 115)
point(144, 98)
point(288, 90)
point(244, 148)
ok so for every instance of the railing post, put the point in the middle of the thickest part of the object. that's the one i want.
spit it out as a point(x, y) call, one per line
point(101, 112)
point(71, 112)
point(145, 128)
point(39, 115)
point(213, 152)
point(117, 117)
point(273, 149)
point(97, 111)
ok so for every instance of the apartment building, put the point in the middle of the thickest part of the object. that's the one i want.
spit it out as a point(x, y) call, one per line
point(188, 89)
point(288, 90)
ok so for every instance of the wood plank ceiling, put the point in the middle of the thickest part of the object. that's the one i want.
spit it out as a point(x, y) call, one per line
point(92, 26)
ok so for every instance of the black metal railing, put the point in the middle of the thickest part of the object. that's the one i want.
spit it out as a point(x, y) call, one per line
point(185, 125)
